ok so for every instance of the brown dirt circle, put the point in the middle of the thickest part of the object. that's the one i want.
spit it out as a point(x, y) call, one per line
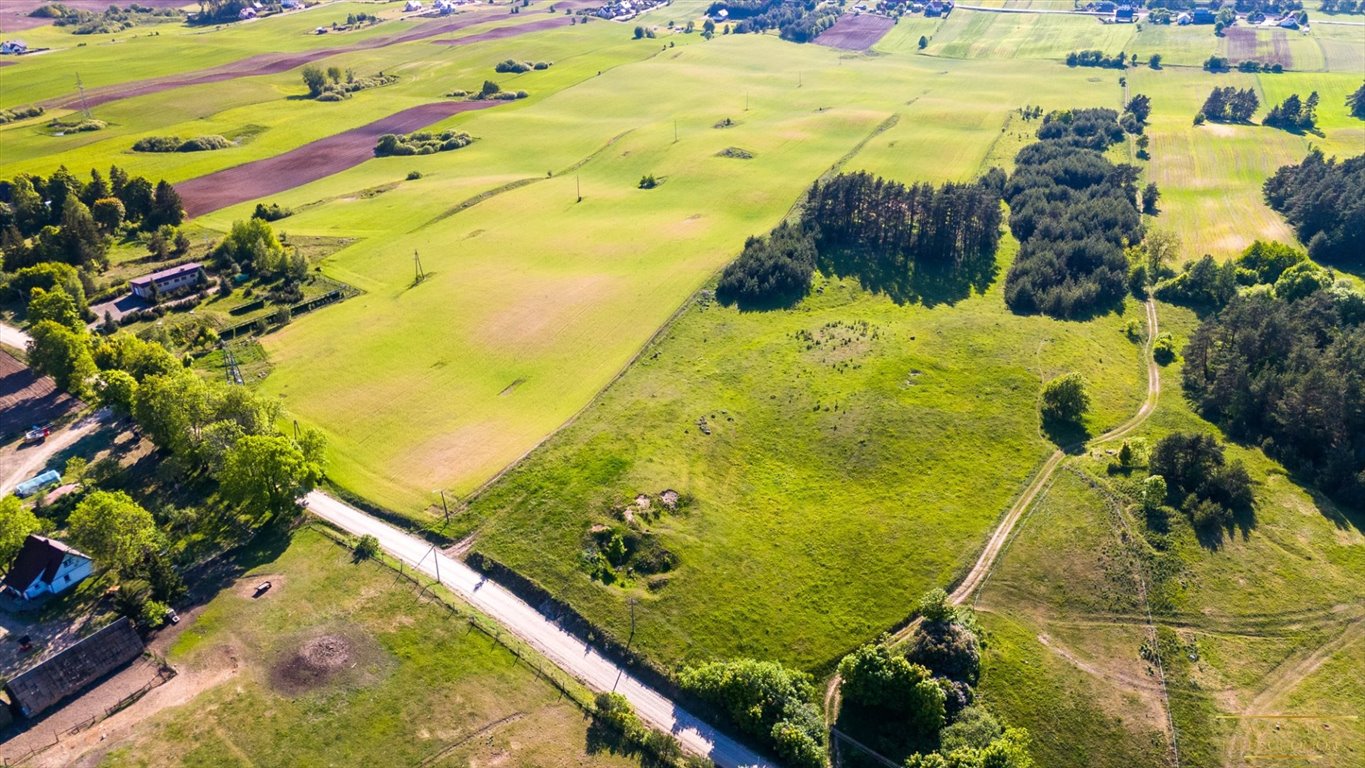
point(315, 663)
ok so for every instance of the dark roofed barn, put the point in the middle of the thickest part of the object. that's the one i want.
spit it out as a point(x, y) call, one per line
point(71, 669)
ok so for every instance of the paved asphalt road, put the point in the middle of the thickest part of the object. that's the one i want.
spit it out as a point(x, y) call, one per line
point(13, 337)
point(561, 648)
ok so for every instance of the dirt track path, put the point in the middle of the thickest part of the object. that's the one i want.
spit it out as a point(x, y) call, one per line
point(309, 162)
point(1282, 680)
point(274, 63)
point(995, 545)
point(32, 460)
point(977, 575)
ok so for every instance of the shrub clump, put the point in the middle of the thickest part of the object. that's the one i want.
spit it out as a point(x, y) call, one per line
point(421, 143)
point(176, 144)
point(19, 113)
point(513, 66)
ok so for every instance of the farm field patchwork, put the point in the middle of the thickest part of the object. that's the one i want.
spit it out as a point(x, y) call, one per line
point(536, 334)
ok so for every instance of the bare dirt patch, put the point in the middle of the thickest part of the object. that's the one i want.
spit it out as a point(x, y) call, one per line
point(325, 659)
point(855, 33)
point(1245, 43)
point(310, 162)
point(27, 399)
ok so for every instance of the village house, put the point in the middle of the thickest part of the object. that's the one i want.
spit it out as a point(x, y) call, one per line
point(149, 287)
point(45, 567)
point(13, 47)
point(1123, 14)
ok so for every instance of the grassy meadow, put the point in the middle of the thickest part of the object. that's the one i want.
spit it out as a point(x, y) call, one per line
point(848, 468)
point(420, 686)
point(1240, 618)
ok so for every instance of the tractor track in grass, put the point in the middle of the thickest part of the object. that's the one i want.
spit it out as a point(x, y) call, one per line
point(275, 63)
point(1281, 681)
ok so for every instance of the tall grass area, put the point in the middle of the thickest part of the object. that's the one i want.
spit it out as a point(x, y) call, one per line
point(1234, 615)
point(422, 681)
point(848, 468)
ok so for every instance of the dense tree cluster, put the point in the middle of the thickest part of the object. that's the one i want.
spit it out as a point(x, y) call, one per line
point(1207, 284)
point(1229, 105)
point(900, 238)
point(897, 238)
point(1072, 211)
point(1295, 113)
point(772, 270)
point(109, 20)
point(1356, 102)
point(1342, 6)
point(334, 85)
point(767, 701)
point(64, 219)
point(252, 247)
point(1199, 480)
point(917, 702)
point(796, 20)
point(1288, 372)
point(1324, 200)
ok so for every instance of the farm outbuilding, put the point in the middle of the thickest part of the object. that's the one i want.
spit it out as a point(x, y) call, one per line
point(1123, 14)
point(45, 567)
point(71, 669)
point(13, 48)
point(167, 280)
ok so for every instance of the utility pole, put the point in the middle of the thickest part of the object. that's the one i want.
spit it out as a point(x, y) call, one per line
point(417, 263)
point(442, 491)
point(675, 131)
point(746, 101)
point(578, 184)
point(80, 87)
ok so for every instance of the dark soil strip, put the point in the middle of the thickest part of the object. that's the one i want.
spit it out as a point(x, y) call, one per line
point(309, 162)
point(855, 33)
point(274, 63)
point(502, 33)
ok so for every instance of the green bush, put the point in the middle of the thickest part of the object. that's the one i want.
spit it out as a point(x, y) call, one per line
point(421, 143)
point(367, 547)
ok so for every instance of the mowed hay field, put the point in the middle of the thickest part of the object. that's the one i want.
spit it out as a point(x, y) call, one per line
point(344, 664)
point(857, 452)
point(1250, 624)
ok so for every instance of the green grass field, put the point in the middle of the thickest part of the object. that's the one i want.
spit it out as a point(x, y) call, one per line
point(420, 686)
point(1236, 615)
point(841, 478)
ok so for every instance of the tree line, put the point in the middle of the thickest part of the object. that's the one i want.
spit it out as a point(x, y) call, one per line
point(897, 238)
point(64, 219)
point(1324, 200)
point(1073, 212)
point(799, 22)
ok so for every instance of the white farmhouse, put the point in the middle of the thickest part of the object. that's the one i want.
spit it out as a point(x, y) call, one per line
point(45, 567)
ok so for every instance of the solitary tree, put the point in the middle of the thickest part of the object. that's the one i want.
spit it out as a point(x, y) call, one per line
point(266, 475)
point(1065, 398)
point(1356, 102)
point(315, 79)
point(1150, 195)
point(923, 42)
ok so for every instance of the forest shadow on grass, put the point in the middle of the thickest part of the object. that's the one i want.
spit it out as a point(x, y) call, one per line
point(907, 282)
